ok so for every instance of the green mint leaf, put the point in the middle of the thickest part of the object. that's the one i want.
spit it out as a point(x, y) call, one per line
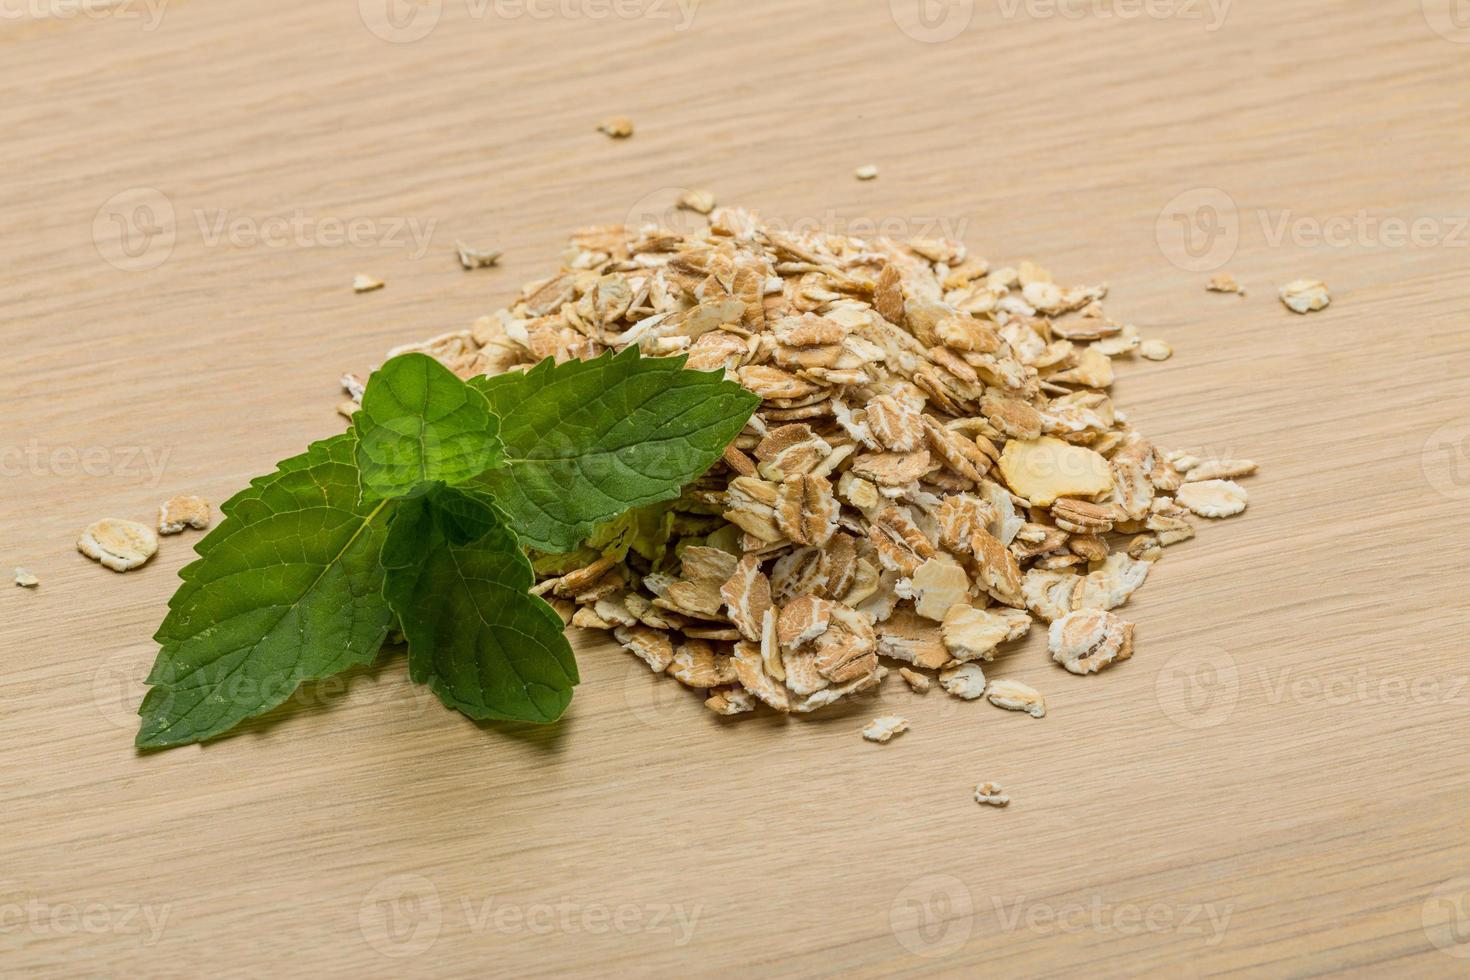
point(458, 579)
point(419, 425)
point(587, 440)
point(287, 588)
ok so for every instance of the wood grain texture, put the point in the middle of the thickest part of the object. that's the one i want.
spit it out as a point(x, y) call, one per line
point(1275, 785)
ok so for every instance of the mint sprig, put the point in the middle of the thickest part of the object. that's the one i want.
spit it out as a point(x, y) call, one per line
point(423, 511)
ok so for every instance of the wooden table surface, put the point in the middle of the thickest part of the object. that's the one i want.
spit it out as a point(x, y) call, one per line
point(1277, 784)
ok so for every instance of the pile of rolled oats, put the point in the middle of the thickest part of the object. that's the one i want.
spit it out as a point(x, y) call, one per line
point(936, 463)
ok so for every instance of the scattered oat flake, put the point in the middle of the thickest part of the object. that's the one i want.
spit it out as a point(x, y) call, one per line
point(354, 387)
point(991, 794)
point(868, 171)
point(702, 202)
point(1224, 282)
point(1088, 640)
point(966, 682)
point(1155, 350)
point(917, 682)
point(182, 512)
point(1015, 696)
point(618, 127)
point(1120, 343)
point(651, 646)
point(733, 700)
point(25, 579)
point(884, 728)
point(362, 283)
point(1219, 469)
point(1305, 296)
point(474, 258)
point(1213, 498)
point(118, 544)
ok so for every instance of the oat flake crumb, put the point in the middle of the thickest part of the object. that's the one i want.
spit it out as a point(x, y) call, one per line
point(868, 171)
point(1224, 283)
point(1219, 469)
point(354, 386)
point(25, 579)
point(181, 512)
point(618, 127)
point(1155, 350)
point(732, 700)
point(966, 682)
point(1305, 296)
point(363, 283)
point(474, 258)
point(991, 794)
point(884, 728)
point(918, 682)
point(1015, 696)
point(701, 202)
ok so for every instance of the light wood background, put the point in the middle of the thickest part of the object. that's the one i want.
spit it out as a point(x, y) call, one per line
point(1277, 784)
